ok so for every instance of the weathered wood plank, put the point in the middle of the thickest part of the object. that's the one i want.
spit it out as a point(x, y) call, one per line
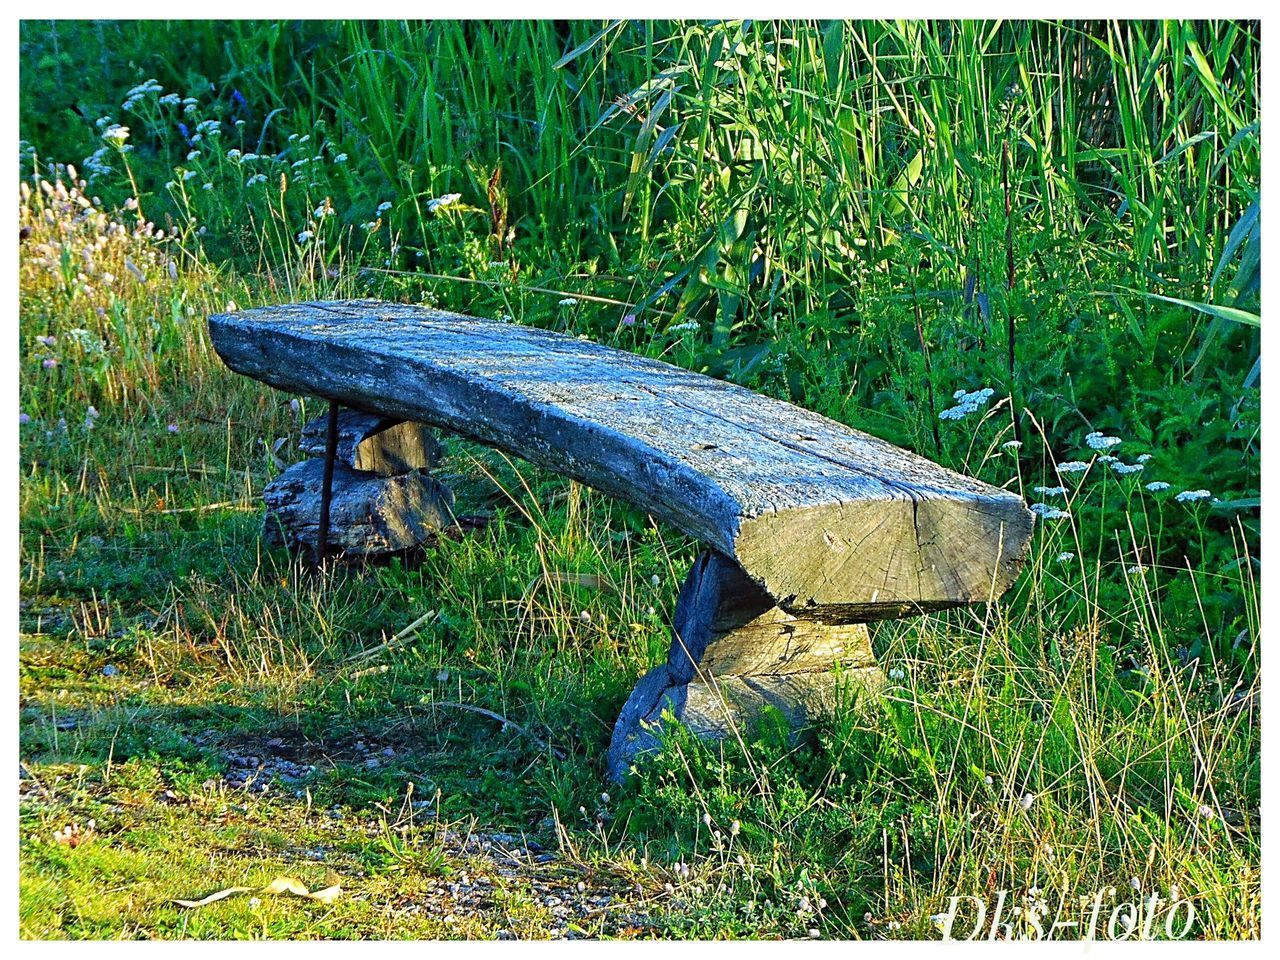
point(830, 521)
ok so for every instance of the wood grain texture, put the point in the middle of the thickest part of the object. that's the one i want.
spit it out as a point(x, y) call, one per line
point(370, 514)
point(733, 655)
point(832, 522)
point(375, 444)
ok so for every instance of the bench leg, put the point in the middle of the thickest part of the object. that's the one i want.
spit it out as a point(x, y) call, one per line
point(326, 484)
point(734, 653)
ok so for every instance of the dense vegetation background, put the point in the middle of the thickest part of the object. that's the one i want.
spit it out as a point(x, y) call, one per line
point(1027, 250)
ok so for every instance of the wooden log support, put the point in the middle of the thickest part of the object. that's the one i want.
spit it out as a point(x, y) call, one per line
point(374, 444)
point(733, 654)
point(369, 514)
point(380, 501)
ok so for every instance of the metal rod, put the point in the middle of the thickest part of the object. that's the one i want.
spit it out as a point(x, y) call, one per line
point(326, 488)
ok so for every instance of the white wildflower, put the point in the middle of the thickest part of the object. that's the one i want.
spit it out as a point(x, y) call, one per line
point(569, 302)
point(305, 235)
point(384, 207)
point(1046, 512)
point(1124, 469)
point(1098, 441)
point(1066, 557)
point(340, 158)
point(967, 403)
point(1144, 458)
point(1187, 496)
point(116, 135)
point(1027, 800)
point(1155, 486)
point(1011, 445)
point(443, 203)
point(1073, 466)
point(1050, 491)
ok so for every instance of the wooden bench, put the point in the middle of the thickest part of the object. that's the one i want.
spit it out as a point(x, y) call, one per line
point(811, 528)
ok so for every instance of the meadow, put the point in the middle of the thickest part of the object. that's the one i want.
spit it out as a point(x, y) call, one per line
point(1026, 250)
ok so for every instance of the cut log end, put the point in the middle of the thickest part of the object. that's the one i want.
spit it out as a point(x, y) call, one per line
point(875, 560)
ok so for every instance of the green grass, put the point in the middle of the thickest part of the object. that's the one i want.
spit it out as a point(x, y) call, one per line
point(817, 211)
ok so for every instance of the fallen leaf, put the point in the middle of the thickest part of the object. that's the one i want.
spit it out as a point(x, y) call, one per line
point(286, 885)
point(327, 895)
point(277, 887)
point(213, 897)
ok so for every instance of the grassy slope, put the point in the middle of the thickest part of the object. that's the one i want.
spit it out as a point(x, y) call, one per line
point(1097, 727)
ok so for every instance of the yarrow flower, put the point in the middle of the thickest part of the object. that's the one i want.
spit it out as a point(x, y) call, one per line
point(1046, 512)
point(1144, 458)
point(116, 135)
point(1073, 466)
point(569, 302)
point(1155, 486)
point(1124, 469)
point(1097, 441)
point(1011, 445)
point(1187, 496)
point(384, 207)
point(1049, 491)
point(305, 235)
point(442, 203)
point(967, 403)
point(1066, 557)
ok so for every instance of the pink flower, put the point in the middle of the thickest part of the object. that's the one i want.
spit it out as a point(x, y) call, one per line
point(24, 418)
point(629, 320)
point(173, 428)
point(49, 363)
